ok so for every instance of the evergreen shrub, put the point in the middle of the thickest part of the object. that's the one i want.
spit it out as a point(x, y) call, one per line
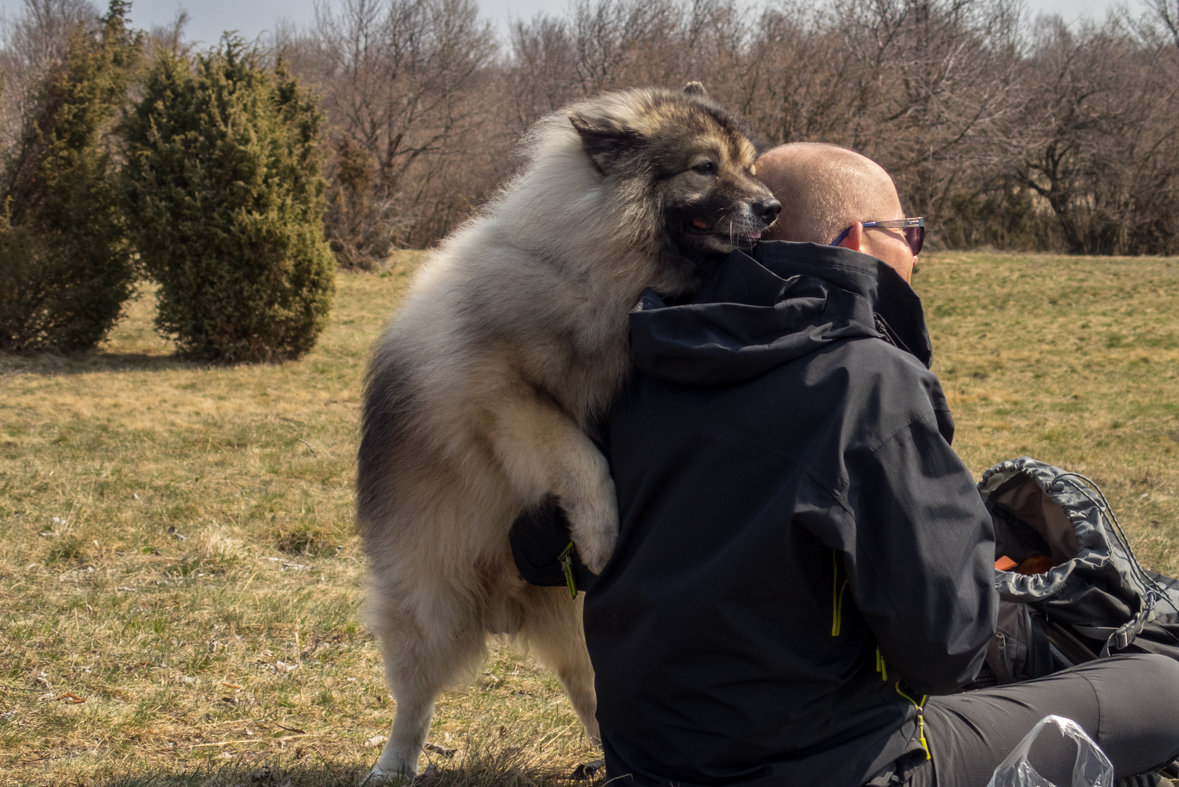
point(227, 198)
point(66, 268)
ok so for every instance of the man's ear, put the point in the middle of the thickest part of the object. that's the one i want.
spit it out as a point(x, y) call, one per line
point(855, 237)
point(604, 139)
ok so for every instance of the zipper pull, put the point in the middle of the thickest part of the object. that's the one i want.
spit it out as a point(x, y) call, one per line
point(566, 560)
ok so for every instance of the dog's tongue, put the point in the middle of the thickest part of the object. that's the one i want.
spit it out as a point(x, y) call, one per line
point(699, 224)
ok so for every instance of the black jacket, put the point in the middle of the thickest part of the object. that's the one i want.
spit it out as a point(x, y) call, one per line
point(802, 555)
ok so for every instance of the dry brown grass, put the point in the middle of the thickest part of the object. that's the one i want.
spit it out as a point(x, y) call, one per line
point(181, 586)
point(1073, 360)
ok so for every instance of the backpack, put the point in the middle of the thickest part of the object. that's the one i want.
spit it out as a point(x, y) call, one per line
point(1093, 600)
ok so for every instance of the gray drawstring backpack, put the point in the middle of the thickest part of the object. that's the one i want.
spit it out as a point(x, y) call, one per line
point(1094, 601)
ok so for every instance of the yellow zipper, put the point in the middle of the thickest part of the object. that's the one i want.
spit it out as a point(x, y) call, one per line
point(920, 718)
point(836, 596)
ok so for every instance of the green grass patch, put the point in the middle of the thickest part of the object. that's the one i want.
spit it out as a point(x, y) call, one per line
point(182, 587)
point(1072, 360)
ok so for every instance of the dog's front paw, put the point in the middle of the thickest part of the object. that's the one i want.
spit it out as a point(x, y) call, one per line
point(595, 531)
point(597, 553)
point(592, 509)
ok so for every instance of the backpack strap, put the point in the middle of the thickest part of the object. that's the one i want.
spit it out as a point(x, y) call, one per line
point(1119, 638)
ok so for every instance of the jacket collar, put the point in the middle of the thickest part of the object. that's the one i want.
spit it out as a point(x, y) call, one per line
point(752, 316)
point(899, 315)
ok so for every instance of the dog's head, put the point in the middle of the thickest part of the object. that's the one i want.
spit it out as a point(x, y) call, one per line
point(684, 159)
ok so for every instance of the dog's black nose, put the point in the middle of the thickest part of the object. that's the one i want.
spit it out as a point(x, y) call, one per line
point(767, 210)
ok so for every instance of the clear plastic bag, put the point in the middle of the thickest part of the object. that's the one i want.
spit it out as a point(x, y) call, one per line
point(1091, 769)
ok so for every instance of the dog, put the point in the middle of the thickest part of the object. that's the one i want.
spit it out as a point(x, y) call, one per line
point(511, 340)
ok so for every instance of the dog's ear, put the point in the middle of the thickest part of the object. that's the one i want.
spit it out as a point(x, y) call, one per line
point(695, 89)
point(604, 139)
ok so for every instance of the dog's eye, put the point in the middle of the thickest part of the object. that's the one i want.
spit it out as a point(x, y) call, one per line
point(706, 168)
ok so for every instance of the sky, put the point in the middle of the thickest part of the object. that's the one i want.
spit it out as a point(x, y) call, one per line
point(207, 19)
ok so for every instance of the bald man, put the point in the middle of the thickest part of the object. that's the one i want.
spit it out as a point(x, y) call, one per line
point(803, 559)
point(829, 193)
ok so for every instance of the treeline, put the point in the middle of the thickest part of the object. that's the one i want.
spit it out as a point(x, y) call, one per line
point(1019, 134)
point(1015, 133)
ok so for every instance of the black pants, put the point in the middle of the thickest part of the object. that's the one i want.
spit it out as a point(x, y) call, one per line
point(1129, 705)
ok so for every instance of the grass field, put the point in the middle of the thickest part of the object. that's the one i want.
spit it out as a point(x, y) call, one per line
point(180, 586)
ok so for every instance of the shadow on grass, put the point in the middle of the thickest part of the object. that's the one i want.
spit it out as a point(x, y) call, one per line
point(327, 774)
point(494, 766)
point(321, 775)
point(58, 365)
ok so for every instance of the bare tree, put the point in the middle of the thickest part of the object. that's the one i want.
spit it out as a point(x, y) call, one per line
point(401, 80)
point(1167, 13)
point(801, 78)
point(988, 126)
point(609, 44)
point(933, 81)
point(1100, 141)
point(398, 71)
point(606, 33)
point(541, 73)
point(32, 41)
point(920, 85)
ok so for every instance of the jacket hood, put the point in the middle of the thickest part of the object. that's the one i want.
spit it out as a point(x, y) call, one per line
point(756, 313)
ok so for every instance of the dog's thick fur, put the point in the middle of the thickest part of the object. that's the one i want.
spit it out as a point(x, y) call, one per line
point(511, 339)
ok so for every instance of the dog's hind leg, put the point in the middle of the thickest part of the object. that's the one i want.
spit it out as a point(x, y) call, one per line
point(552, 631)
point(420, 660)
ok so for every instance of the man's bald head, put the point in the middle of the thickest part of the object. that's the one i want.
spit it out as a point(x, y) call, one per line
point(824, 189)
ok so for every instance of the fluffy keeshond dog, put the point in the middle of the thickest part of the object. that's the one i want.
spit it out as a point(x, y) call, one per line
point(510, 342)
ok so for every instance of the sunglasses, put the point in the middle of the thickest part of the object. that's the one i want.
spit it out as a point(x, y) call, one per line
point(914, 229)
